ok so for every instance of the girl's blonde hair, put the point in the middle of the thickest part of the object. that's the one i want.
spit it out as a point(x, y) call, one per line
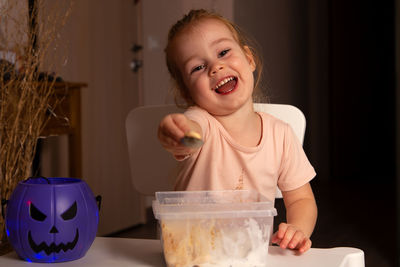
point(180, 91)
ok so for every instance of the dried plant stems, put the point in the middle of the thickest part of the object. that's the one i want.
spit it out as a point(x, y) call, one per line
point(25, 93)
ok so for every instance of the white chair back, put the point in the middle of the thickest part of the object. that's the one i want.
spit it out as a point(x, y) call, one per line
point(154, 169)
point(287, 113)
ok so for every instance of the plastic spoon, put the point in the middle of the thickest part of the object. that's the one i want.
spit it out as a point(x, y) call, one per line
point(192, 139)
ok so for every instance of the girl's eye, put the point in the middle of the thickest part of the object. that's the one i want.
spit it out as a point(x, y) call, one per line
point(223, 52)
point(200, 67)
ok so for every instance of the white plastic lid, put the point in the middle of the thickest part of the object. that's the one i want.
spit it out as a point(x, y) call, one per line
point(211, 204)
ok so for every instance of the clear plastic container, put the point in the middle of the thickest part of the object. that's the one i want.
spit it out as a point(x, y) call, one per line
point(214, 228)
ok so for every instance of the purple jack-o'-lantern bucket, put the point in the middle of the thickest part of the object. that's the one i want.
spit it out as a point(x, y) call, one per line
point(52, 219)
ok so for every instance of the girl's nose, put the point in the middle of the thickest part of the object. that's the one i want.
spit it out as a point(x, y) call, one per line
point(216, 67)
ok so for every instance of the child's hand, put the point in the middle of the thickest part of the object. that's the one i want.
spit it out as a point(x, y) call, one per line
point(171, 130)
point(289, 236)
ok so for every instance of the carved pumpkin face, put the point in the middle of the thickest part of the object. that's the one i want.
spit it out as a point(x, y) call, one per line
point(52, 222)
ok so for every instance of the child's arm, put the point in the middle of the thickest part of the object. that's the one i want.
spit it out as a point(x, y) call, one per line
point(172, 129)
point(301, 214)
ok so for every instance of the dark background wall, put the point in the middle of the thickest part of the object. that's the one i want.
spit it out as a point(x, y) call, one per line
point(335, 60)
point(362, 89)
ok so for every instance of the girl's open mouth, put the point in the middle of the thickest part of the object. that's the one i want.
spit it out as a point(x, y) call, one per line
point(226, 86)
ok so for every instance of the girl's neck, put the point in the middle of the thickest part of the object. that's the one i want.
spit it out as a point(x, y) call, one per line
point(244, 126)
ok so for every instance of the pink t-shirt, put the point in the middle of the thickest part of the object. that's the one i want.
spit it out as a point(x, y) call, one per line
point(223, 164)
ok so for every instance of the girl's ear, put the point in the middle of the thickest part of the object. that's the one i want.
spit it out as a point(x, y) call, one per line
point(250, 57)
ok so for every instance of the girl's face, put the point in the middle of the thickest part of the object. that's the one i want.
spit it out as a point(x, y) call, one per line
point(214, 68)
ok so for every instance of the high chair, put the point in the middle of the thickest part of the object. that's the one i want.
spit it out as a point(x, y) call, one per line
point(153, 169)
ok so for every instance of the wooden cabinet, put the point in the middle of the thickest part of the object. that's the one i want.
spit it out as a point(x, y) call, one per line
point(66, 119)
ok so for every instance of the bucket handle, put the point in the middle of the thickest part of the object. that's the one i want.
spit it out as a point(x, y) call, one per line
point(98, 200)
point(3, 203)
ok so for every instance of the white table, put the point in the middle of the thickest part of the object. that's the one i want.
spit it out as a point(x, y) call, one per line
point(121, 252)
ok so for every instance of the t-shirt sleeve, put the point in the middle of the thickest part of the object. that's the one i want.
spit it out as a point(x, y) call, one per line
point(295, 170)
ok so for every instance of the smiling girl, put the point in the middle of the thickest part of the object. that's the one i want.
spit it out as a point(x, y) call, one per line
point(213, 67)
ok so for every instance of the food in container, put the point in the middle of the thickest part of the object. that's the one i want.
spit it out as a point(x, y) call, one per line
point(214, 228)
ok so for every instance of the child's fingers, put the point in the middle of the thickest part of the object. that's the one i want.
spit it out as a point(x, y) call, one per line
point(306, 245)
point(297, 239)
point(282, 230)
point(169, 128)
point(181, 122)
point(290, 232)
point(275, 239)
point(165, 138)
point(278, 236)
point(288, 236)
point(169, 142)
